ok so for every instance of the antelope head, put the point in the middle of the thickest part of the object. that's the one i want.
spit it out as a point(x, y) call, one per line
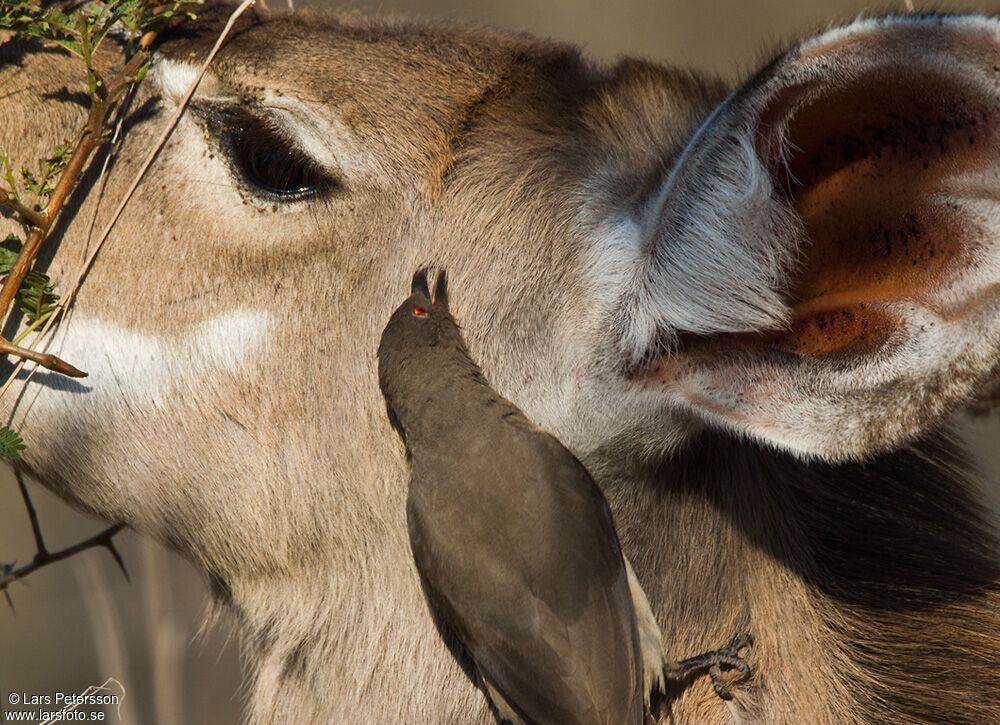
point(809, 261)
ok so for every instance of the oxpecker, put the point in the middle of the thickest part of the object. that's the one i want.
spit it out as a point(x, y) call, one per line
point(514, 542)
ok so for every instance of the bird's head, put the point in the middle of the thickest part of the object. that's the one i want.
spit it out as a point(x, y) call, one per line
point(422, 321)
point(420, 340)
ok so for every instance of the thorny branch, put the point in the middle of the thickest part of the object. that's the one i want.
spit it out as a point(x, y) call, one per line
point(58, 179)
point(91, 137)
point(30, 216)
point(81, 33)
point(41, 223)
point(32, 514)
point(139, 175)
point(44, 557)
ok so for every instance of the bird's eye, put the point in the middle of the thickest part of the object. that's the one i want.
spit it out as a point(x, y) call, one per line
point(421, 311)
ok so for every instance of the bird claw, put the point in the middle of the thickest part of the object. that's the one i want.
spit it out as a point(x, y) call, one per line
point(714, 662)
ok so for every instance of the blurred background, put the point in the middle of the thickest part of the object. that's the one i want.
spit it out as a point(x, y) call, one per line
point(77, 623)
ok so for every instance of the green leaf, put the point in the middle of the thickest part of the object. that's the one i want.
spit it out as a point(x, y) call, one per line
point(29, 182)
point(11, 444)
point(60, 155)
point(8, 174)
point(24, 18)
point(9, 249)
point(117, 11)
point(163, 15)
point(82, 32)
point(37, 297)
point(44, 182)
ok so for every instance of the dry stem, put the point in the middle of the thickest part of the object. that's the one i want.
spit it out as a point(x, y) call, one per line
point(47, 361)
point(90, 140)
point(28, 214)
point(92, 137)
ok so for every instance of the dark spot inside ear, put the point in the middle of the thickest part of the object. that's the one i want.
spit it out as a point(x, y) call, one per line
point(871, 171)
point(856, 330)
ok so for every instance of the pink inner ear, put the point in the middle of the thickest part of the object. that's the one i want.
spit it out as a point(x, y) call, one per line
point(876, 172)
point(884, 142)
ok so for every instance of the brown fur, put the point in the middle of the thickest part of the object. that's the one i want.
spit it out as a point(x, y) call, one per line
point(871, 588)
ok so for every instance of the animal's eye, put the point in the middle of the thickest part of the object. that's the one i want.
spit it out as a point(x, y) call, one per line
point(266, 160)
point(421, 311)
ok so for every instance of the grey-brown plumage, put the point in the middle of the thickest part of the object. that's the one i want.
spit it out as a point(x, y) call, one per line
point(514, 542)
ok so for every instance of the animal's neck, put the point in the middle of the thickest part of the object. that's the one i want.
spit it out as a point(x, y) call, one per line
point(349, 644)
point(825, 565)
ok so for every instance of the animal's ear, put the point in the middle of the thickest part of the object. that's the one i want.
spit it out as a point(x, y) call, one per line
point(823, 261)
point(419, 284)
point(441, 290)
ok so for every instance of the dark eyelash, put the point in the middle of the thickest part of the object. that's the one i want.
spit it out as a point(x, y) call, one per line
point(265, 159)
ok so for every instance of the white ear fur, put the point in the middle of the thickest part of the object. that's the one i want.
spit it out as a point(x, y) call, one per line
point(687, 245)
point(844, 202)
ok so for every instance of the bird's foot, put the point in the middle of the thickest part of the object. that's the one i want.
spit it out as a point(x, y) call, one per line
point(714, 662)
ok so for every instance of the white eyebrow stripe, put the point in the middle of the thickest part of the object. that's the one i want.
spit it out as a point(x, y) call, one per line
point(175, 77)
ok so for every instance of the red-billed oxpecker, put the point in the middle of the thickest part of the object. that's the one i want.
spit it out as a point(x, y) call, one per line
point(514, 543)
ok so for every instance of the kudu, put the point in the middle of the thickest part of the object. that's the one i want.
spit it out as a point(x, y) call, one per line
point(748, 311)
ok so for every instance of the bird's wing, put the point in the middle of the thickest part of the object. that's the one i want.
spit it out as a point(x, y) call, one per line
point(553, 672)
point(529, 575)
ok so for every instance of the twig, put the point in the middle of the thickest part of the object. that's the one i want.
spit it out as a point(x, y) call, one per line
point(6, 569)
point(102, 178)
point(42, 222)
point(44, 558)
point(29, 215)
point(32, 514)
point(155, 150)
point(103, 100)
point(89, 141)
point(47, 361)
